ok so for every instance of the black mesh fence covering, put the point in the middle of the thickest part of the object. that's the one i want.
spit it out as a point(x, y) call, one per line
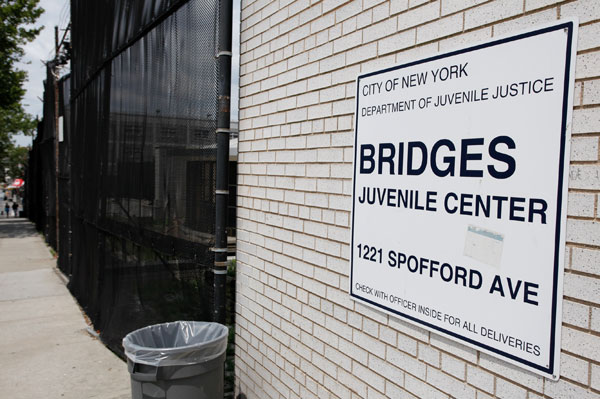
point(40, 188)
point(64, 176)
point(143, 158)
point(103, 28)
point(136, 165)
point(33, 205)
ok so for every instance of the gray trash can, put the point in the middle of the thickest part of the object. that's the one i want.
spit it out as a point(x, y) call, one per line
point(179, 360)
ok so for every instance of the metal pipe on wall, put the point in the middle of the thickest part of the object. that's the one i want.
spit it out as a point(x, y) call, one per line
point(223, 133)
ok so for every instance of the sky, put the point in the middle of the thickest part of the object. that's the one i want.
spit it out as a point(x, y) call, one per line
point(42, 49)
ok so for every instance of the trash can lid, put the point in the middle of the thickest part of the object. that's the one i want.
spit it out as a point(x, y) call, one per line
point(177, 343)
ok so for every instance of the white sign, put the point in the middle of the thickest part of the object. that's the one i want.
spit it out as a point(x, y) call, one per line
point(460, 188)
point(61, 129)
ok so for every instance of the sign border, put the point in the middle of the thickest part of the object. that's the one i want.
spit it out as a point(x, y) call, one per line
point(570, 25)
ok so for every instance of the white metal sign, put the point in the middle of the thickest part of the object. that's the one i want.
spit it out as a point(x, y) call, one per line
point(460, 183)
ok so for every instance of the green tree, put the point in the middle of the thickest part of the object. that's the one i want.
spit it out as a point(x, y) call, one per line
point(17, 18)
point(17, 159)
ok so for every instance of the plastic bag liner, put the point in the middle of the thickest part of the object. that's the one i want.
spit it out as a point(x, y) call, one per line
point(176, 344)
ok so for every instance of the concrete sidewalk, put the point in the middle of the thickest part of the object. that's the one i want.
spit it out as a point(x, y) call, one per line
point(45, 349)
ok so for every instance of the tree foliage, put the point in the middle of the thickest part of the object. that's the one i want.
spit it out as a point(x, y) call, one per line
point(17, 19)
point(16, 29)
point(17, 159)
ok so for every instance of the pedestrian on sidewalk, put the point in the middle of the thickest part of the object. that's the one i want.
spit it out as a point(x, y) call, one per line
point(16, 208)
point(6, 208)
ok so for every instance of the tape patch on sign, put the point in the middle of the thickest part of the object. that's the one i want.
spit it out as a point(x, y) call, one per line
point(484, 245)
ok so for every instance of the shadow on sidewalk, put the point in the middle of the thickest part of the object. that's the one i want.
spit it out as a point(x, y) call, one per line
point(16, 228)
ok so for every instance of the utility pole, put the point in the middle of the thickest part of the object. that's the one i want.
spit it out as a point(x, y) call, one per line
point(56, 110)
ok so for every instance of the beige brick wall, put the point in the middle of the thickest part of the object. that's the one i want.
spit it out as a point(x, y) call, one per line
point(298, 334)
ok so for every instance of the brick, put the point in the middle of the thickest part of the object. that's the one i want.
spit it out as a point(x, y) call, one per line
point(379, 30)
point(586, 120)
point(492, 12)
point(584, 149)
point(512, 373)
point(371, 327)
point(368, 343)
point(349, 10)
point(331, 63)
point(580, 343)
point(348, 26)
point(595, 324)
point(454, 348)
point(332, 93)
point(361, 53)
point(408, 363)
point(584, 177)
point(480, 378)
point(397, 42)
point(526, 22)
point(317, 170)
point(345, 75)
point(587, 66)
point(307, 156)
point(507, 390)
point(416, 3)
point(576, 314)
point(584, 10)
point(441, 28)
point(429, 355)
point(295, 170)
point(535, 4)
point(381, 12)
point(295, 88)
point(344, 107)
point(309, 14)
point(320, 52)
point(587, 37)
point(582, 287)
point(368, 376)
point(564, 389)
point(397, 6)
point(596, 377)
point(453, 366)
point(319, 82)
point(574, 368)
point(364, 19)
point(586, 260)
point(335, 32)
point(583, 231)
point(347, 42)
point(449, 385)
point(353, 351)
point(296, 115)
point(581, 204)
point(452, 6)
point(419, 15)
point(591, 91)
point(421, 389)
point(350, 381)
point(319, 111)
point(330, 155)
point(338, 358)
